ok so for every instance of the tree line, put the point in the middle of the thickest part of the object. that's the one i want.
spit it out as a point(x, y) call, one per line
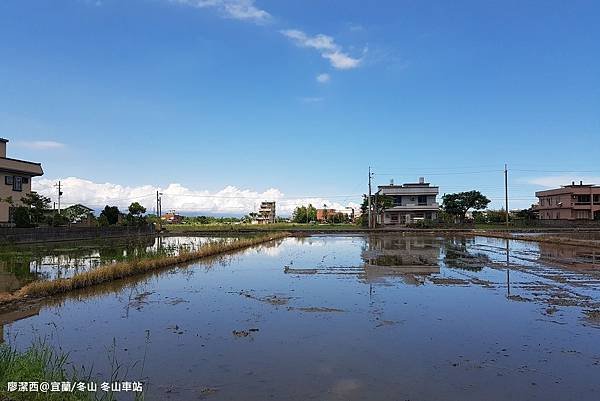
point(33, 210)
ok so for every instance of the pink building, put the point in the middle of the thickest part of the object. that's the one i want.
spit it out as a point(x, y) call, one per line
point(570, 202)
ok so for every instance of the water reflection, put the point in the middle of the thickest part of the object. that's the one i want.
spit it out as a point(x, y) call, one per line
point(411, 257)
point(571, 257)
point(458, 254)
point(22, 264)
point(327, 335)
point(16, 315)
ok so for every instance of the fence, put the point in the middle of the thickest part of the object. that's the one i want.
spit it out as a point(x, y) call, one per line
point(49, 234)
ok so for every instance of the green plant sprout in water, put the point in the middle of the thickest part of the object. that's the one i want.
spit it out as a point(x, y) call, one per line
point(40, 363)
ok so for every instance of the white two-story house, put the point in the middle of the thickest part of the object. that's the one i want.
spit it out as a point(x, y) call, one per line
point(411, 202)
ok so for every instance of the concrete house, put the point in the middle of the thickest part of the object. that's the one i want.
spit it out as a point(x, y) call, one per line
point(570, 202)
point(329, 214)
point(15, 181)
point(266, 213)
point(172, 218)
point(411, 202)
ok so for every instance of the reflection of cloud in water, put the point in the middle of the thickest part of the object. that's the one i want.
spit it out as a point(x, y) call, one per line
point(346, 387)
point(270, 251)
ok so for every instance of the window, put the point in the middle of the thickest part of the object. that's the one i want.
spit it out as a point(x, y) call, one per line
point(597, 199)
point(422, 200)
point(583, 199)
point(25, 180)
point(17, 184)
point(8, 180)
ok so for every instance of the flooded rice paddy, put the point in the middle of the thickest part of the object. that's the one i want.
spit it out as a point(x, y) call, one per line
point(21, 264)
point(381, 317)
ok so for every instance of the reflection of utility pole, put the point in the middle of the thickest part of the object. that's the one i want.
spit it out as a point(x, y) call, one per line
point(370, 215)
point(506, 191)
point(507, 269)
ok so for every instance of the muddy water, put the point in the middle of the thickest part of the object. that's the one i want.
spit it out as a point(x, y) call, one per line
point(346, 318)
point(24, 263)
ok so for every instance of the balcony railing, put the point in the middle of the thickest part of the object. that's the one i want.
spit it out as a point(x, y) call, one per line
point(417, 205)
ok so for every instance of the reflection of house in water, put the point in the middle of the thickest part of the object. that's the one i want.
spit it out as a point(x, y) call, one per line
point(570, 257)
point(458, 256)
point(388, 255)
point(14, 273)
point(13, 316)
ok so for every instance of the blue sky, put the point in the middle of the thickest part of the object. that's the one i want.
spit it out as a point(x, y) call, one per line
point(300, 97)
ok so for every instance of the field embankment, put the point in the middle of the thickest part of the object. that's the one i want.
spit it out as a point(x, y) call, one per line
point(550, 239)
point(115, 271)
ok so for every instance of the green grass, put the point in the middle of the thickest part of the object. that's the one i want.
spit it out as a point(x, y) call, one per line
point(41, 363)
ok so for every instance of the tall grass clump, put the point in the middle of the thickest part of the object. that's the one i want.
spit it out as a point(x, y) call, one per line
point(39, 363)
point(115, 271)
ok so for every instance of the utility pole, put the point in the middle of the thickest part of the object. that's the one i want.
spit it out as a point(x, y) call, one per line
point(159, 209)
point(369, 199)
point(506, 192)
point(59, 195)
point(157, 215)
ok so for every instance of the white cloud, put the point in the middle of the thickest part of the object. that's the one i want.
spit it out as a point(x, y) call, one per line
point(341, 61)
point(323, 78)
point(229, 200)
point(41, 145)
point(326, 46)
point(236, 9)
point(558, 180)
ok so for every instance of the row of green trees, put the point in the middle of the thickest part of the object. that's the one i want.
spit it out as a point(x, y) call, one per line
point(34, 210)
point(111, 215)
point(304, 214)
point(308, 214)
point(213, 220)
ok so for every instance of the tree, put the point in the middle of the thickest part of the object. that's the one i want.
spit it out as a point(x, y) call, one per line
point(459, 204)
point(37, 204)
point(299, 215)
point(136, 209)
point(22, 217)
point(526, 214)
point(383, 202)
point(111, 214)
point(380, 202)
point(135, 216)
point(58, 220)
point(304, 214)
point(103, 220)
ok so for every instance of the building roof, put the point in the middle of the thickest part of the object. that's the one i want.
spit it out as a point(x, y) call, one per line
point(89, 209)
point(572, 188)
point(21, 166)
